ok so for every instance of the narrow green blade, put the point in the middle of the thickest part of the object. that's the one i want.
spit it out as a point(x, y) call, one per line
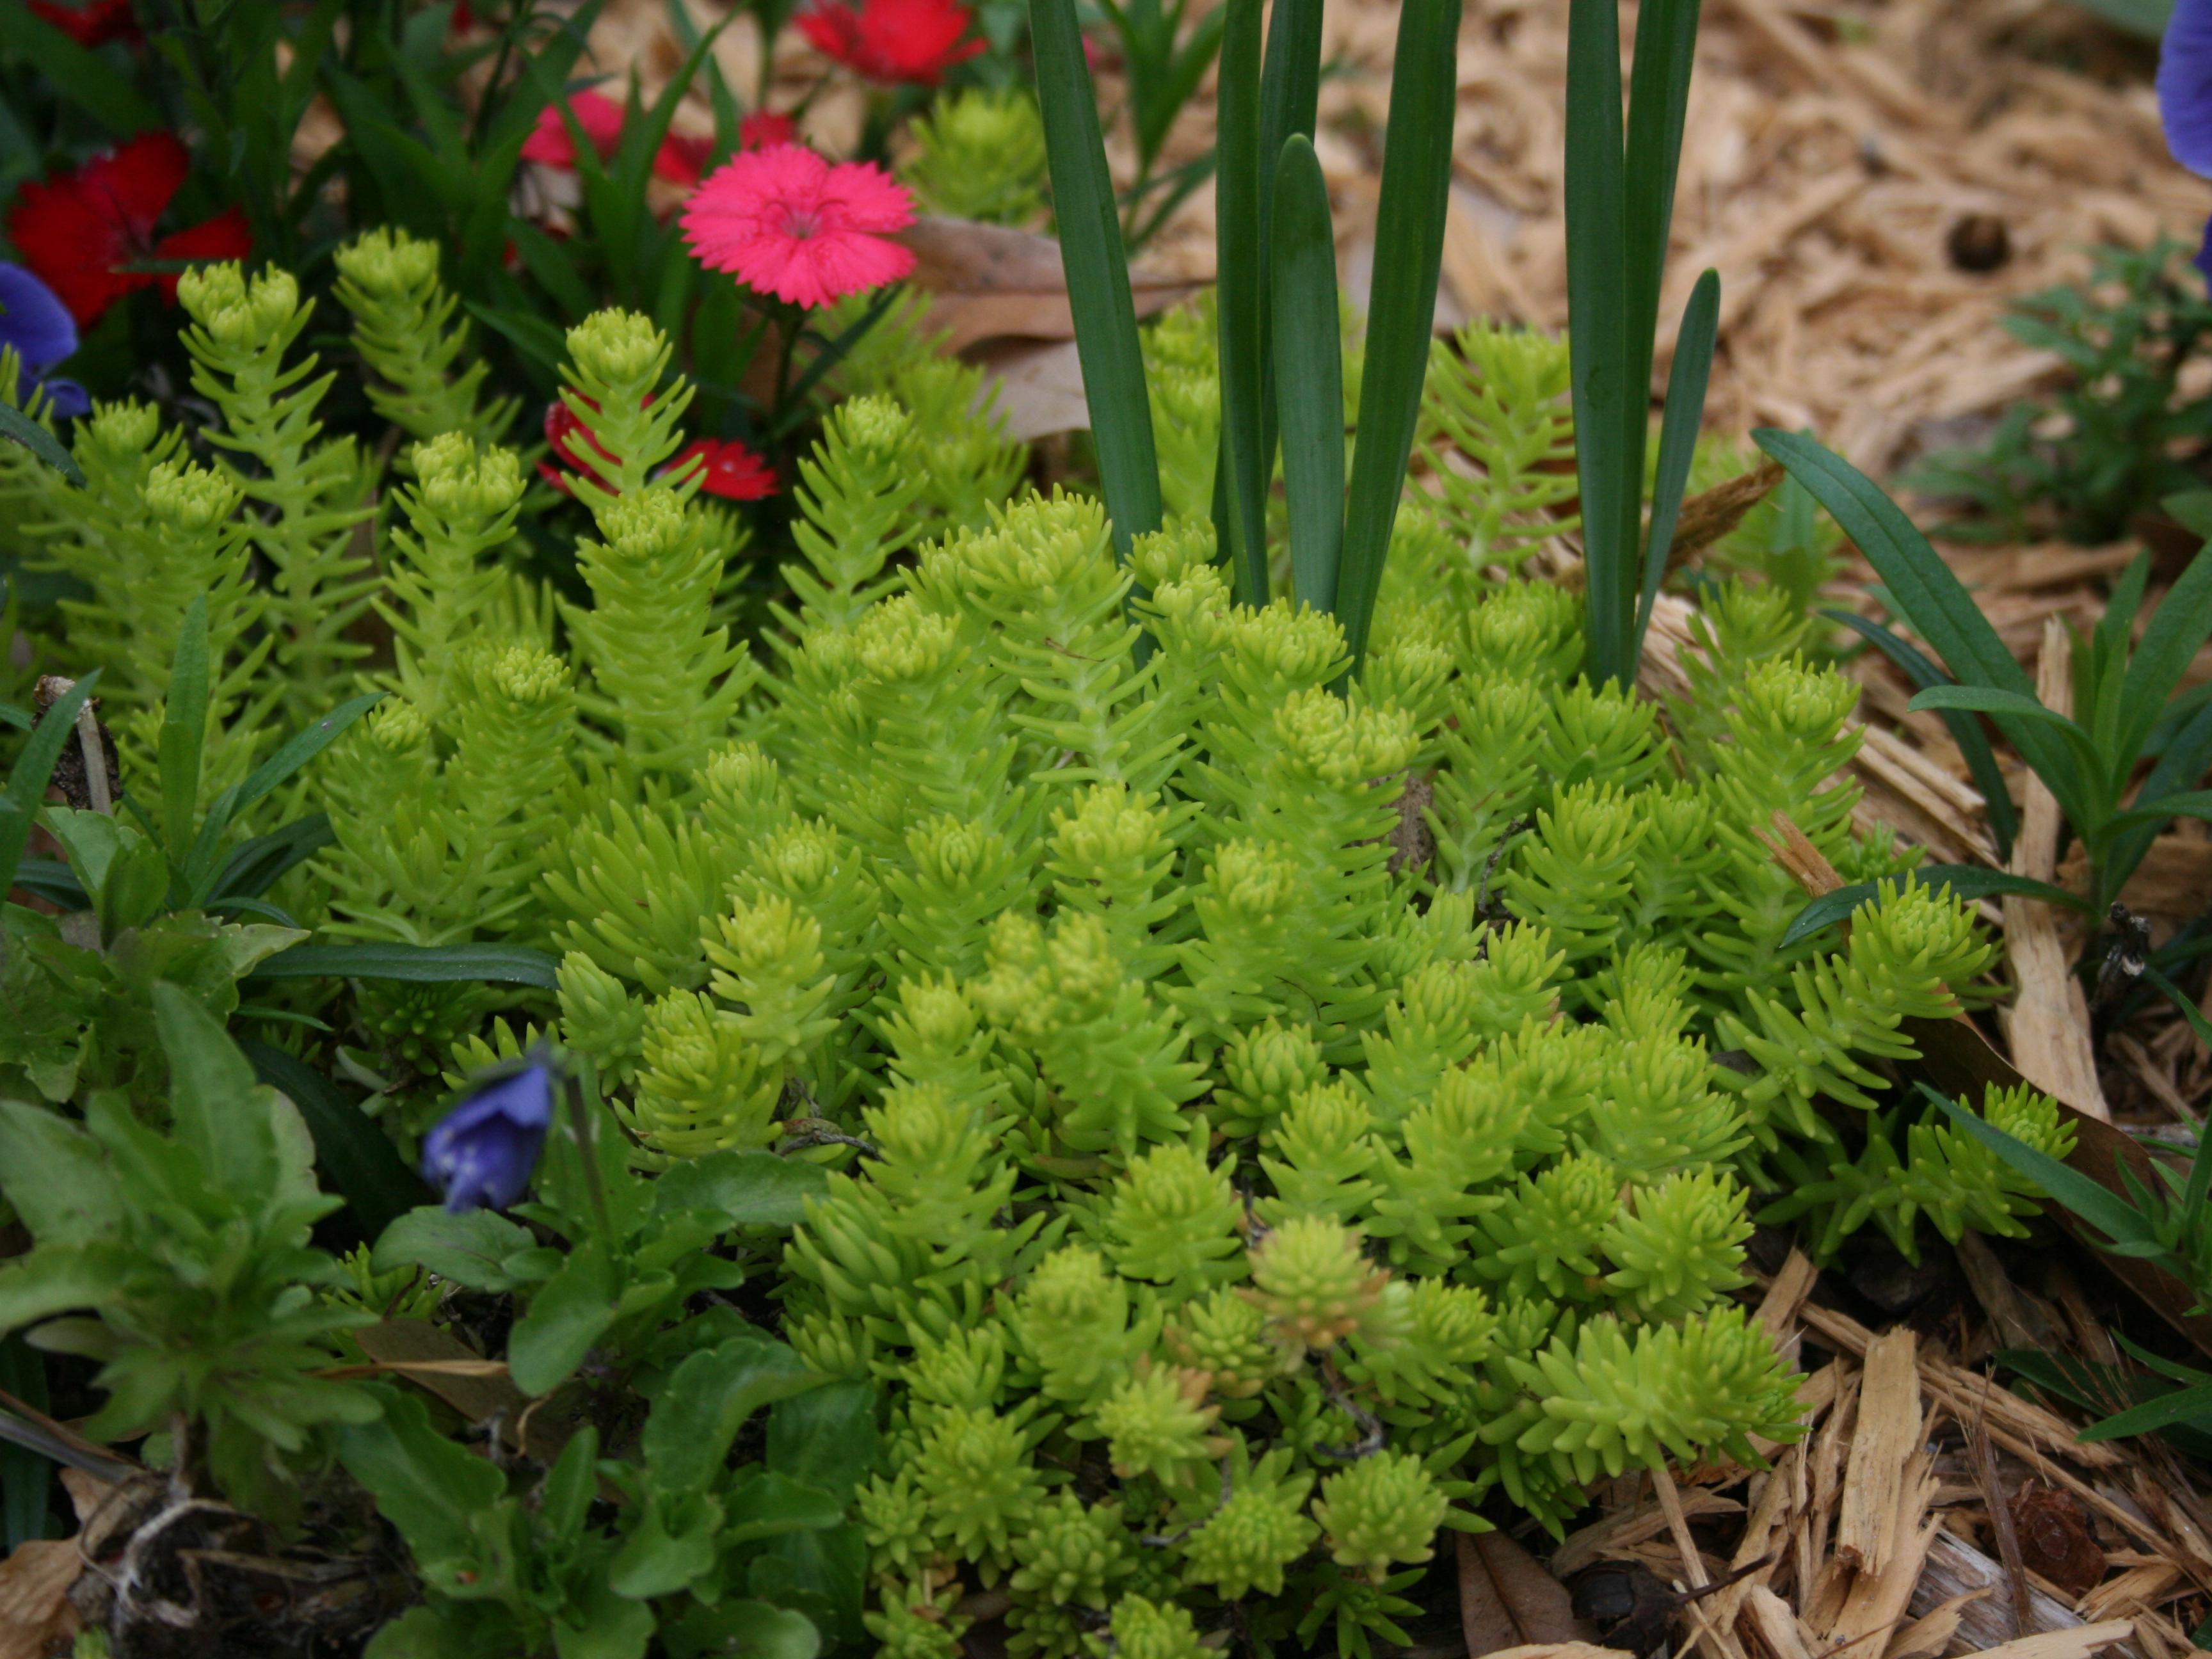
point(1097, 275)
point(1240, 266)
point(1658, 102)
point(1606, 401)
point(26, 779)
point(1678, 439)
point(1409, 252)
point(14, 423)
point(1308, 373)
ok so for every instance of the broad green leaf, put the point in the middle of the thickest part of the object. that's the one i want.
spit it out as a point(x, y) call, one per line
point(771, 1504)
point(1678, 438)
point(470, 1249)
point(1409, 250)
point(14, 423)
point(79, 75)
point(430, 1487)
point(826, 1437)
point(565, 1318)
point(1241, 263)
point(744, 1630)
point(673, 1544)
point(1308, 373)
point(26, 779)
point(1966, 881)
point(565, 1499)
point(54, 1175)
point(218, 1108)
point(184, 730)
point(2118, 1221)
point(599, 1624)
point(50, 1281)
point(1097, 275)
point(706, 1401)
point(749, 1188)
point(1966, 730)
point(355, 1155)
point(427, 964)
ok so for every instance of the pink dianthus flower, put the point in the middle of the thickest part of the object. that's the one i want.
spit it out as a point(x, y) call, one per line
point(785, 222)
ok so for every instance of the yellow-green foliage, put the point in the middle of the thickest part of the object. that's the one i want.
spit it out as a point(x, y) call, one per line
point(1279, 1112)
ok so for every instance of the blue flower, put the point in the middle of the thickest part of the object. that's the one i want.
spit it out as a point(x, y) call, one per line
point(42, 331)
point(482, 1152)
point(2184, 96)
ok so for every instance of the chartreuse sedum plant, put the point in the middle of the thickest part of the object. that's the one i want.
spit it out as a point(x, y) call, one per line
point(979, 154)
point(1245, 1163)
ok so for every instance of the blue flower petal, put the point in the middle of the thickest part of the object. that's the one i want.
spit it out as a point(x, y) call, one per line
point(33, 321)
point(482, 1151)
point(2185, 84)
point(65, 399)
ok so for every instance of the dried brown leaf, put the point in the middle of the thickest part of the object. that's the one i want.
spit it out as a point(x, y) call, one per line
point(1508, 1601)
point(991, 282)
point(36, 1619)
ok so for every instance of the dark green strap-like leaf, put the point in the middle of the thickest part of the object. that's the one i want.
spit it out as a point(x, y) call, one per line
point(2181, 762)
point(53, 881)
point(2170, 642)
point(1678, 439)
point(1931, 599)
point(302, 747)
point(1241, 265)
point(1658, 105)
point(427, 964)
point(1097, 275)
point(1966, 881)
point(1599, 311)
point(26, 779)
point(1409, 252)
point(14, 423)
point(1308, 373)
point(354, 1154)
point(2162, 1412)
point(254, 866)
point(1290, 94)
point(1966, 730)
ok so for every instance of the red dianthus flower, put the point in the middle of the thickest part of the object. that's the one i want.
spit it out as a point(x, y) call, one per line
point(785, 222)
point(78, 230)
point(731, 471)
point(551, 143)
point(908, 41)
point(93, 24)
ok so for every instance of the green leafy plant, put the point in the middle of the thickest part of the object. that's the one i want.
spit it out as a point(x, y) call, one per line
point(2126, 711)
point(189, 1252)
point(2126, 437)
